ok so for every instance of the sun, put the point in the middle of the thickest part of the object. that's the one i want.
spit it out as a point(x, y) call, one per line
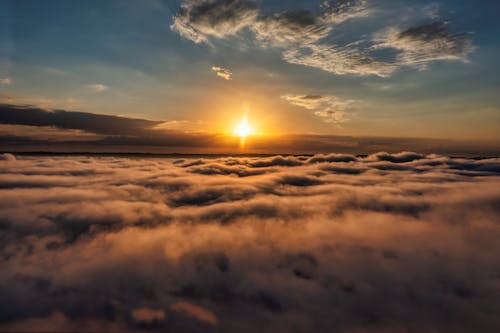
point(243, 129)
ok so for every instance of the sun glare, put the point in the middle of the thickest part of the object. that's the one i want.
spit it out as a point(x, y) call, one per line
point(243, 129)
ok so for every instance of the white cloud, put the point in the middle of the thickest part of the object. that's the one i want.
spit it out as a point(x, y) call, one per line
point(198, 20)
point(309, 39)
point(340, 11)
point(5, 81)
point(97, 87)
point(331, 108)
point(344, 60)
point(423, 44)
point(224, 73)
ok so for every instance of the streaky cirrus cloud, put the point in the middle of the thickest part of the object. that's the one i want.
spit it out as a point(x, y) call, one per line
point(310, 39)
point(340, 11)
point(422, 44)
point(276, 243)
point(331, 108)
point(224, 73)
point(290, 28)
point(348, 59)
point(197, 20)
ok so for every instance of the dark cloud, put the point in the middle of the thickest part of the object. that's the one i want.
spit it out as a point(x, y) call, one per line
point(112, 130)
point(332, 158)
point(7, 157)
point(125, 244)
point(95, 123)
point(397, 158)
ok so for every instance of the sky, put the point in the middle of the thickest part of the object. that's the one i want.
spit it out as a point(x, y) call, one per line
point(333, 166)
point(192, 69)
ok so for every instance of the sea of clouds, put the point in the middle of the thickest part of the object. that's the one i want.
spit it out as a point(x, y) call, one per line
point(326, 243)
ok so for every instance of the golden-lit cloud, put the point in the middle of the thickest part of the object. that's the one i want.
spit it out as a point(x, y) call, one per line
point(97, 87)
point(148, 315)
point(29, 128)
point(195, 311)
point(47, 133)
point(218, 244)
point(5, 81)
point(224, 73)
point(331, 108)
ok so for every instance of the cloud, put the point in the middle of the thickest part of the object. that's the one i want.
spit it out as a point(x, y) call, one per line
point(7, 157)
point(5, 81)
point(340, 11)
point(198, 20)
point(27, 128)
point(432, 11)
point(402, 157)
point(95, 123)
point(97, 88)
point(224, 73)
point(425, 43)
point(104, 243)
point(47, 133)
point(348, 59)
point(195, 311)
point(290, 28)
point(331, 108)
point(300, 34)
point(311, 38)
point(147, 315)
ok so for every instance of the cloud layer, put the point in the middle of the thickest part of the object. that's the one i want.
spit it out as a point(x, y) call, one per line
point(312, 39)
point(383, 243)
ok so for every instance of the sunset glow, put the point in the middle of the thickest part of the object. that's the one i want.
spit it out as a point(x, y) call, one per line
point(204, 166)
point(243, 129)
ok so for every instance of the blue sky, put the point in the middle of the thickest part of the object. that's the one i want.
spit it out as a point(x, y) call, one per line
point(132, 58)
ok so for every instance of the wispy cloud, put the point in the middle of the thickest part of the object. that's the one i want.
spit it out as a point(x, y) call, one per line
point(199, 20)
point(97, 87)
point(349, 59)
point(224, 73)
point(331, 108)
point(423, 44)
point(309, 39)
point(5, 81)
